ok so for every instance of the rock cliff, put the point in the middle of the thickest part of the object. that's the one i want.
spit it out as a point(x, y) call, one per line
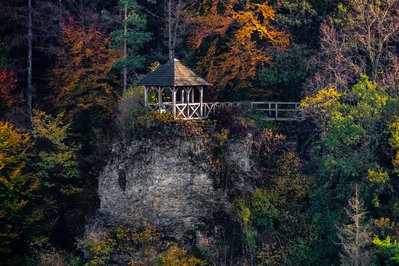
point(172, 180)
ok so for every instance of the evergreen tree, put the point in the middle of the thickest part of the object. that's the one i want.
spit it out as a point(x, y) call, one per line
point(130, 38)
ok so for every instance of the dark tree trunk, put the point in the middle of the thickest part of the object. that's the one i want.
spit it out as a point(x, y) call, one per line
point(29, 90)
point(125, 50)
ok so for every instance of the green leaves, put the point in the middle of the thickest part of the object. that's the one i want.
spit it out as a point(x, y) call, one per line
point(132, 36)
point(58, 160)
point(389, 249)
point(351, 127)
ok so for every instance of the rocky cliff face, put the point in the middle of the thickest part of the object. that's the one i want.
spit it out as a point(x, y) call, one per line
point(170, 181)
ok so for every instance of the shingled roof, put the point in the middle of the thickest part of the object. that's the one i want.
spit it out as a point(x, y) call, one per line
point(173, 73)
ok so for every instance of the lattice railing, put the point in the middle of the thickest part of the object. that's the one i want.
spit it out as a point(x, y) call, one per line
point(281, 111)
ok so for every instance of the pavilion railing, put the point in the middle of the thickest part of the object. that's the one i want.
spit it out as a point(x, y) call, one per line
point(280, 111)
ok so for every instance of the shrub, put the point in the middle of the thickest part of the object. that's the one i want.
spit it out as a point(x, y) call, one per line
point(178, 256)
point(234, 119)
point(131, 107)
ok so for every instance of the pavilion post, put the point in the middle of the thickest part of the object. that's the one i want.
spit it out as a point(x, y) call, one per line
point(192, 95)
point(174, 101)
point(188, 101)
point(201, 90)
point(160, 89)
point(182, 96)
point(145, 96)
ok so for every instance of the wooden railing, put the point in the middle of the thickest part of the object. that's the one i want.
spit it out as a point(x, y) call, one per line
point(279, 111)
point(282, 111)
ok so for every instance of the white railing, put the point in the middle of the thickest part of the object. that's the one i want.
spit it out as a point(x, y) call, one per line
point(280, 111)
point(277, 110)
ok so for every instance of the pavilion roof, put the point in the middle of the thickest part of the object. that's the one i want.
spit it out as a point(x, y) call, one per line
point(173, 73)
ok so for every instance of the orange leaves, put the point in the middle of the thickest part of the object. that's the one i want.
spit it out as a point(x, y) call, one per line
point(211, 22)
point(84, 64)
point(257, 19)
point(205, 26)
point(8, 82)
point(244, 32)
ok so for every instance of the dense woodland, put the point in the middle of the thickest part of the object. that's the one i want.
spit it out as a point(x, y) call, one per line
point(67, 92)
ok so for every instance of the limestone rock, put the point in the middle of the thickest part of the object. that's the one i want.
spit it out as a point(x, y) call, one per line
point(168, 182)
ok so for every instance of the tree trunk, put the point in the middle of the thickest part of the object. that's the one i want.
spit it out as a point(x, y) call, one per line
point(177, 21)
point(125, 51)
point(171, 51)
point(357, 226)
point(29, 90)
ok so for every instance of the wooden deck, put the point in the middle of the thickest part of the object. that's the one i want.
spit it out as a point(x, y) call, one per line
point(273, 111)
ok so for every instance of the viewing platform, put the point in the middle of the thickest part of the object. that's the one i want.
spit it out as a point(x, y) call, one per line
point(183, 92)
point(278, 111)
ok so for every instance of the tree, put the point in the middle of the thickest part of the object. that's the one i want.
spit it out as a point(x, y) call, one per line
point(355, 236)
point(389, 249)
point(61, 184)
point(360, 39)
point(349, 133)
point(130, 39)
point(20, 216)
point(8, 83)
point(29, 89)
point(237, 55)
point(178, 256)
point(394, 142)
point(81, 77)
point(29, 30)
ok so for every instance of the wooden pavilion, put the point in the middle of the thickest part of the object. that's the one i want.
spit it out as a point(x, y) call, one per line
point(178, 90)
point(181, 86)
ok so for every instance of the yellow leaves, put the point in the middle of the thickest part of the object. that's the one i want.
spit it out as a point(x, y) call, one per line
point(324, 98)
point(246, 215)
point(322, 106)
point(99, 244)
point(13, 145)
point(16, 185)
point(394, 142)
point(49, 127)
point(394, 128)
point(383, 224)
point(178, 256)
point(377, 175)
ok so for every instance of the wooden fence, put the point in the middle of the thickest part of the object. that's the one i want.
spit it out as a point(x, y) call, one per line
point(279, 111)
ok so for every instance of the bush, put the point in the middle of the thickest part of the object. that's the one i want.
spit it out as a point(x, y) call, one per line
point(131, 107)
point(235, 120)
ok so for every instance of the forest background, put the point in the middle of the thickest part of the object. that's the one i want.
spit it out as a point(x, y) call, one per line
point(67, 68)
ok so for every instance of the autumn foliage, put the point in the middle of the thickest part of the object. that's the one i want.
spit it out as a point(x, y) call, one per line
point(81, 76)
point(16, 188)
point(8, 83)
point(239, 36)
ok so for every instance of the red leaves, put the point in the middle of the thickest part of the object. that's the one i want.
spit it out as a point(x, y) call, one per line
point(8, 83)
